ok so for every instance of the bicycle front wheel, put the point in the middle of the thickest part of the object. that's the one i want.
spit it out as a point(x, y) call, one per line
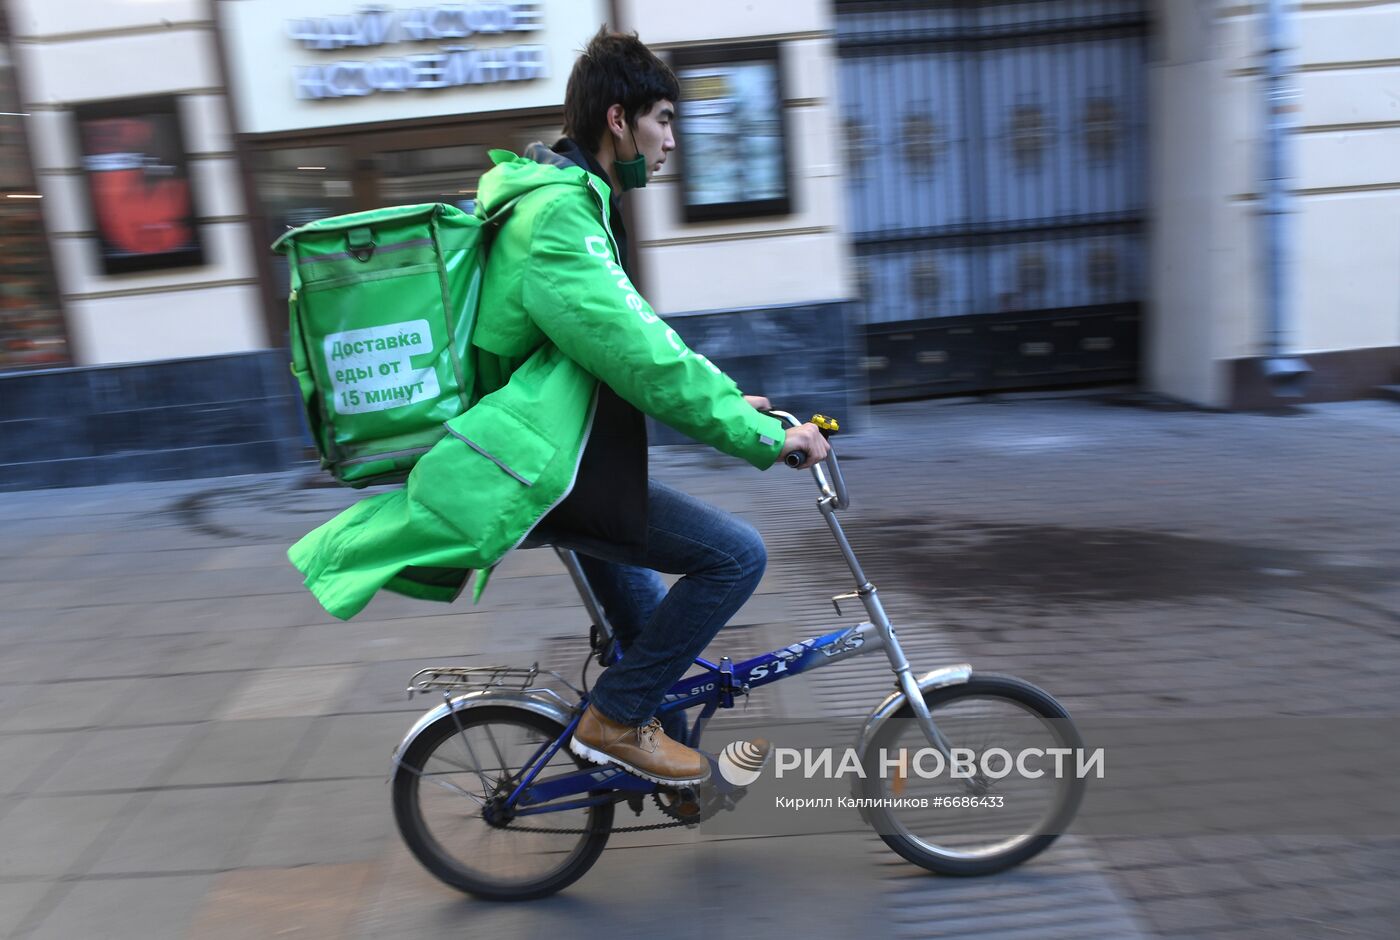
point(463, 763)
point(994, 813)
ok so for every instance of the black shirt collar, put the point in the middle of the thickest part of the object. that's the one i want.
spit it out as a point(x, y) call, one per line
point(569, 148)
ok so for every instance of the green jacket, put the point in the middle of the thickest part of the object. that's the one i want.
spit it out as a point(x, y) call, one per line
point(557, 315)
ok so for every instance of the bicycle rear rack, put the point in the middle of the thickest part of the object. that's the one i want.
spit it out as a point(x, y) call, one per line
point(450, 679)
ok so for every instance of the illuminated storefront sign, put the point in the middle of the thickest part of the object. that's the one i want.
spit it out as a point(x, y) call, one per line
point(334, 63)
point(378, 26)
point(449, 66)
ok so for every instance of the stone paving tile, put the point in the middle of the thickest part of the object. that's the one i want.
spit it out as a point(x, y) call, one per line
point(104, 621)
point(44, 837)
point(358, 745)
point(116, 758)
point(211, 652)
point(38, 657)
point(64, 705)
point(184, 830)
point(30, 568)
point(373, 641)
point(400, 898)
point(16, 901)
point(123, 657)
point(294, 832)
point(252, 751)
point(177, 699)
point(29, 758)
point(312, 902)
point(150, 908)
point(1061, 893)
point(225, 583)
point(288, 693)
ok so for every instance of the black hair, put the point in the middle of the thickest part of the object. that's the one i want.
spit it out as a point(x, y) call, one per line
point(615, 68)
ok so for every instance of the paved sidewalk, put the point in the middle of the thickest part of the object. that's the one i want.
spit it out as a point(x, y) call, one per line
point(190, 747)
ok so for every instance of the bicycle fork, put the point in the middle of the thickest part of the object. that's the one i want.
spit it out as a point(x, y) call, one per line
point(875, 610)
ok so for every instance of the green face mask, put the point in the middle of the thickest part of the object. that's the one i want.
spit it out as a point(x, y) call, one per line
point(631, 174)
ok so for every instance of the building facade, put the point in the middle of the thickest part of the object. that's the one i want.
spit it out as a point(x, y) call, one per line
point(1207, 321)
point(873, 198)
point(152, 256)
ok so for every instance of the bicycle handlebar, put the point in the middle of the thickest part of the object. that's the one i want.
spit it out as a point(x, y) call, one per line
point(836, 487)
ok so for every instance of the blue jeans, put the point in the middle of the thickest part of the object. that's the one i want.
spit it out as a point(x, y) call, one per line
point(721, 558)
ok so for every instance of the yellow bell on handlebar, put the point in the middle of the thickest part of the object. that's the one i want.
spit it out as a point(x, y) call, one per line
point(828, 426)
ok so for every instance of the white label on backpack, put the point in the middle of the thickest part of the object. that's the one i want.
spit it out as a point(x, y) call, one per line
point(372, 369)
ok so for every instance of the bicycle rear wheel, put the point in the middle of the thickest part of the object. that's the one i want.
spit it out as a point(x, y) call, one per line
point(460, 763)
point(982, 824)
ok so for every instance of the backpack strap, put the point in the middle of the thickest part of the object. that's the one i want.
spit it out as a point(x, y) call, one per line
point(498, 217)
point(301, 359)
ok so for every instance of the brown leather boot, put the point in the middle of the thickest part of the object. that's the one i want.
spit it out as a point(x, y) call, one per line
point(644, 750)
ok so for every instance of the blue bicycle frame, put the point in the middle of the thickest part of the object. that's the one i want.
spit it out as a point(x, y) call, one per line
point(713, 689)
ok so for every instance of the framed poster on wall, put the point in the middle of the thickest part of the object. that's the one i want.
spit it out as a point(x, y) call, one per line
point(733, 133)
point(133, 155)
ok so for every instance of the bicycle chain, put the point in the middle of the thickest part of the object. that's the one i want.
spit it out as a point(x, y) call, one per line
point(570, 832)
point(647, 828)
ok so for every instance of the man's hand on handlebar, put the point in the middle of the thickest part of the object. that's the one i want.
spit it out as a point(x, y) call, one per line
point(806, 438)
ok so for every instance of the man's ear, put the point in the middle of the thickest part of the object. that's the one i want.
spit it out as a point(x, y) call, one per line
point(617, 120)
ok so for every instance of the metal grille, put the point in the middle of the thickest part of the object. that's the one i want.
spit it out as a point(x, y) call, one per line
point(995, 154)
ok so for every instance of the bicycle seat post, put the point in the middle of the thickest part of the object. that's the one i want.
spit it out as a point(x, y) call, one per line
point(601, 636)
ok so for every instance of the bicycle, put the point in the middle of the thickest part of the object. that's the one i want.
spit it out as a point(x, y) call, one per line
point(476, 773)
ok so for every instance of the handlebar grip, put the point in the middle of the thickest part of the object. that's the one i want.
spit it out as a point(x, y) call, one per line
point(796, 459)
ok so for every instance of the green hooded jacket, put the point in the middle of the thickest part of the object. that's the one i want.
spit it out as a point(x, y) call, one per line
point(557, 315)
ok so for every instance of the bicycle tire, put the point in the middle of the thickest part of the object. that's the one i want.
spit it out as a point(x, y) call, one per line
point(944, 702)
point(416, 764)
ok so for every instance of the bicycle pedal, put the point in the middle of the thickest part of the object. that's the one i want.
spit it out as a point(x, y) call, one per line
point(682, 804)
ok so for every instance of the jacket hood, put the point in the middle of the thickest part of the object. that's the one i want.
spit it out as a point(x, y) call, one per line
point(515, 175)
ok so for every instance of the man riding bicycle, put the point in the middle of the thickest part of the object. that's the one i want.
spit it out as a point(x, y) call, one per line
point(568, 358)
point(559, 266)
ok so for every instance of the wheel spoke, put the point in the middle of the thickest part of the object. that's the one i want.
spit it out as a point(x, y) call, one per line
point(485, 784)
point(453, 788)
point(500, 758)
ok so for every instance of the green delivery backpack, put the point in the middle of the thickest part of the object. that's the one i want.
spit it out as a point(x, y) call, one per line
point(381, 311)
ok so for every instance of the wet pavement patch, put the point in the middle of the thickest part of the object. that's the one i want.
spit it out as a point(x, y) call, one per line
point(1021, 563)
point(260, 513)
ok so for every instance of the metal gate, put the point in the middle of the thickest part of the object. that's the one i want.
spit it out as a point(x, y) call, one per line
point(995, 154)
